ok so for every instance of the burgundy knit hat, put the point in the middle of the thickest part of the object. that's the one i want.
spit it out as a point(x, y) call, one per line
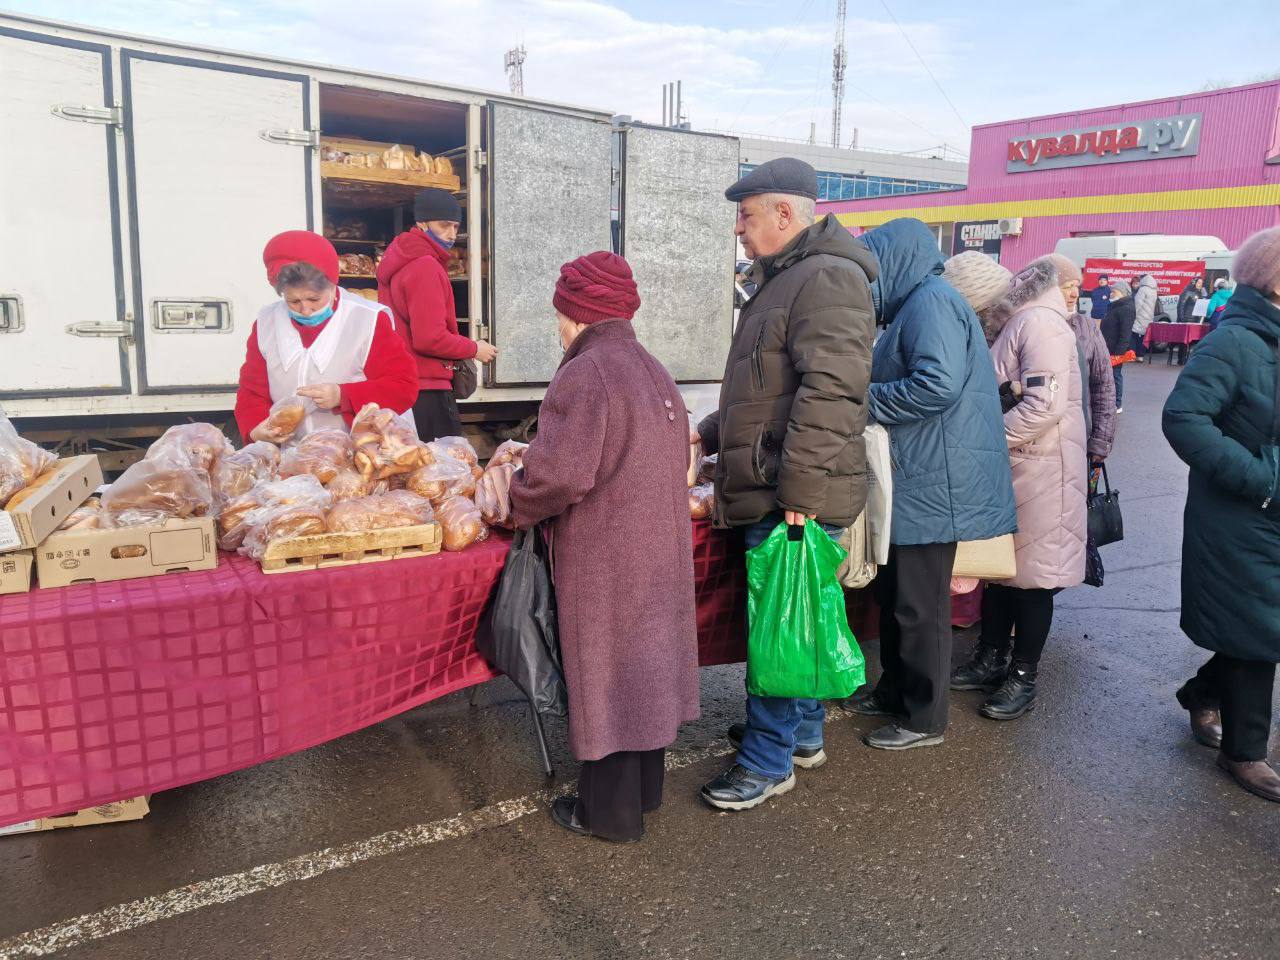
point(596, 287)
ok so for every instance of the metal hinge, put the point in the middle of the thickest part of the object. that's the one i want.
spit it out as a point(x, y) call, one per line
point(292, 138)
point(481, 159)
point(111, 116)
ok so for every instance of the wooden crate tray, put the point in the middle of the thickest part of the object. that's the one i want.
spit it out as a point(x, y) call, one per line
point(413, 178)
point(343, 549)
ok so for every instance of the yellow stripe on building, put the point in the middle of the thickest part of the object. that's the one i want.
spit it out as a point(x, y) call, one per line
point(1210, 198)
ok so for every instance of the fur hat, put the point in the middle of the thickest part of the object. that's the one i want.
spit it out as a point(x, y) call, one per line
point(1257, 262)
point(978, 278)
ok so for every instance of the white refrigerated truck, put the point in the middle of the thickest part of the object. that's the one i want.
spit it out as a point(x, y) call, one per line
point(140, 179)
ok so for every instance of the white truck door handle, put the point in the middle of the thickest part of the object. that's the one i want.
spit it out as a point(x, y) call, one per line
point(111, 116)
point(98, 328)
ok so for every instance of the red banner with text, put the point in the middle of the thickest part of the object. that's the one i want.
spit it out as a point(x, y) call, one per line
point(1171, 275)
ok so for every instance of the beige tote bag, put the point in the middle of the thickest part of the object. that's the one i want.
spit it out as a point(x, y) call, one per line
point(986, 559)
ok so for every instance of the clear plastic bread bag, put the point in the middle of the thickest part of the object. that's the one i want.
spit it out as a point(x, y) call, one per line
point(323, 454)
point(21, 461)
point(288, 508)
point(284, 419)
point(152, 491)
point(385, 444)
point(460, 523)
point(236, 473)
point(200, 445)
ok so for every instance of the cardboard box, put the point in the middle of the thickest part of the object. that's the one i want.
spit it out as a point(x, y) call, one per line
point(119, 812)
point(126, 553)
point(72, 482)
point(15, 571)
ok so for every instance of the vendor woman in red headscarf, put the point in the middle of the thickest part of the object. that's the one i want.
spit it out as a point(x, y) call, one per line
point(318, 341)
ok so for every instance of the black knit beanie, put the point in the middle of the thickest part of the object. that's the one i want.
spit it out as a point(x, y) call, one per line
point(432, 203)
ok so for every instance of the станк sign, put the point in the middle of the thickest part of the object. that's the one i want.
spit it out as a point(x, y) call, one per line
point(1110, 143)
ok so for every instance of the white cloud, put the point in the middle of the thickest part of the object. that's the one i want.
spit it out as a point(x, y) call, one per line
point(771, 80)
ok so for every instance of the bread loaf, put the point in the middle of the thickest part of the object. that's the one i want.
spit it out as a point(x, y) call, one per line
point(236, 473)
point(323, 454)
point(199, 445)
point(460, 523)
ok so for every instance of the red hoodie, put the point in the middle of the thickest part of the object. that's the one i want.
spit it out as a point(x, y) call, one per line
point(413, 282)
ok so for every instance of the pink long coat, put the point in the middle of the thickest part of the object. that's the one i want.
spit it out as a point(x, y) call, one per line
point(1046, 438)
point(609, 465)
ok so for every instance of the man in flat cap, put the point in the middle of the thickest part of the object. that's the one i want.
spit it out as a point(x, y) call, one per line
point(789, 426)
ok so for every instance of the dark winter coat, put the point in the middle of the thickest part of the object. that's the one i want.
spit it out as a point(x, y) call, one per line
point(793, 399)
point(1101, 297)
point(1117, 325)
point(609, 465)
point(1187, 302)
point(934, 387)
point(1219, 420)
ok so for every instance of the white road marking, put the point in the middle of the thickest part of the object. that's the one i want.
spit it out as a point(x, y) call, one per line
point(207, 893)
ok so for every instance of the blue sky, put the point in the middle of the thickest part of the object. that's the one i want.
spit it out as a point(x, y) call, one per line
point(754, 66)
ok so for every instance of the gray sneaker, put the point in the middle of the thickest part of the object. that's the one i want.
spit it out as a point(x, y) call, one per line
point(740, 789)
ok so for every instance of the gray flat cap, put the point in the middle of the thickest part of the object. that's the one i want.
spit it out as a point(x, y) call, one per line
point(784, 175)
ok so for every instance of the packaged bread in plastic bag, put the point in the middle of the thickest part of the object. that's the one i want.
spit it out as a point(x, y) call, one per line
point(87, 516)
point(460, 523)
point(152, 491)
point(347, 485)
point(236, 473)
point(493, 494)
point(702, 501)
point(385, 444)
point(283, 419)
point(707, 469)
point(21, 461)
point(323, 454)
point(199, 444)
point(442, 479)
point(380, 512)
point(287, 509)
point(511, 451)
point(455, 448)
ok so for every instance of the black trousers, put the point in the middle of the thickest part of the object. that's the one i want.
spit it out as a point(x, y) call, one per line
point(1242, 690)
point(436, 414)
point(616, 791)
point(1030, 610)
point(914, 593)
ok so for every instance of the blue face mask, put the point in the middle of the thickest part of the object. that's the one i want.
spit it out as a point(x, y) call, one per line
point(314, 320)
point(447, 244)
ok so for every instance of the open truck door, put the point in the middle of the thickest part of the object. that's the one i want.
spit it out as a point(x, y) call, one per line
point(62, 313)
point(677, 234)
point(219, 160)
point(548, 178)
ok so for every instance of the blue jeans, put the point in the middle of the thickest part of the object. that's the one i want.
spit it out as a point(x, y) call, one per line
point(1118, 374)
point(777, 725)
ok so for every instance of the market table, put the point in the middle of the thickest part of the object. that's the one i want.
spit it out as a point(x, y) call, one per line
point(1181, 335)
point(113, 690)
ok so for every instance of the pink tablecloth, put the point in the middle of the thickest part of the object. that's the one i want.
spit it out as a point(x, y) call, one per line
point(113, 690)
point(1176, 333)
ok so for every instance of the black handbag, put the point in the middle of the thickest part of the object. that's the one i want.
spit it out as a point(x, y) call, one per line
point(465, 379)
point(518, 633)
point(1106, 525)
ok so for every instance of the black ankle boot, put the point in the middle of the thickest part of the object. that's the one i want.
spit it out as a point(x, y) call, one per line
point(1016, 695)
point(985, 671)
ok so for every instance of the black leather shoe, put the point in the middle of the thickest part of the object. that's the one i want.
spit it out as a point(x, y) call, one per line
point(1206, 726)
point(741, 789)
point(1256, 776)
point(892, 736)
point(868, 703)
point(986, 671)
point(806, 758)
point(564, 811)
point(1016, 695)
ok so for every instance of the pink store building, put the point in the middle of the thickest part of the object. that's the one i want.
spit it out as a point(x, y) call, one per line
point(1202, 164)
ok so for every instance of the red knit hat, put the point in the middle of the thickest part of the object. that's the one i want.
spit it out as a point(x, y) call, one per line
point(300, 246)
point(596, 287)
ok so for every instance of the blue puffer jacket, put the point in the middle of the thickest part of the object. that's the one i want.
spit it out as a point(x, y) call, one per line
point(933, 386)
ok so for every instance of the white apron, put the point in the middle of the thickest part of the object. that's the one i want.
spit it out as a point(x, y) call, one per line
point(337, 355)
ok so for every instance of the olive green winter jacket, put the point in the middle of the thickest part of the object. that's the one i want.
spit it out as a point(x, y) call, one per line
point(793, 400)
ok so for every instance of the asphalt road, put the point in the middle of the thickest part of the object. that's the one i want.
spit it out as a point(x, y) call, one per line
point(1093, 827)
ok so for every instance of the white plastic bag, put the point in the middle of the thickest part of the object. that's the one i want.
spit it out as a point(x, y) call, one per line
point(879, 512)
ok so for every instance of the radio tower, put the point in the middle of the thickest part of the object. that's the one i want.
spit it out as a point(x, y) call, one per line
point(839, 60)
point(515, 69)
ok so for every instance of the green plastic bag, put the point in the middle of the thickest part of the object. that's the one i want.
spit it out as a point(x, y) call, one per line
point(799, 644)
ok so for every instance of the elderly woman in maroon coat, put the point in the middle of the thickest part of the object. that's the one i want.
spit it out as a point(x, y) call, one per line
point(608, 467)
